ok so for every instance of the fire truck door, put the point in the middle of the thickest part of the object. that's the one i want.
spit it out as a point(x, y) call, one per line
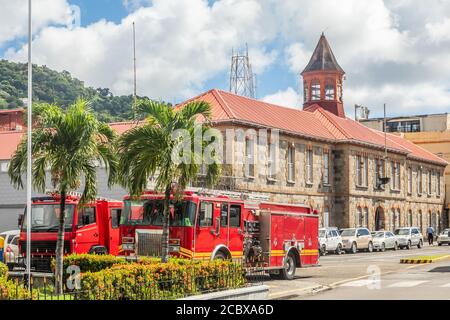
point(205, 231)
point(87, 234)
point(114, 219)
point(235, 230)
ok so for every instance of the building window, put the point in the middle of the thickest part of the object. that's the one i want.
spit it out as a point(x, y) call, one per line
point(359, 218)
point(366, 217)
point(395, 175)
point(291, 164)
point(309, 166)
point(249, 158)
point(403, 126)
point(409, 180)
point(271, 158)
point(438, 183)
point(419, 181)
point(429, 175)
point(315, 90)
point(326, 217)
point(420, 221)
point(329, 90)
point(361, 171)
point(326, 168)
point(410, 218)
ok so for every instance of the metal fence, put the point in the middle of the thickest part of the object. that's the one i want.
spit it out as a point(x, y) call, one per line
point(166, 288)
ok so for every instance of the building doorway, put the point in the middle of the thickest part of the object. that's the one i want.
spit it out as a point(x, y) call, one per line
point(379, 219)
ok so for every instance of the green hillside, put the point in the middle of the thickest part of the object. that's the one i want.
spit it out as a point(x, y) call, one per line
point(59, 88)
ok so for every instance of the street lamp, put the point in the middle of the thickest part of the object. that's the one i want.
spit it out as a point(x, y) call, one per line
point(29, 161)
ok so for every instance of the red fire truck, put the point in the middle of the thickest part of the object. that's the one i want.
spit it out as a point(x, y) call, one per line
point(278, 237)
point(91, 228)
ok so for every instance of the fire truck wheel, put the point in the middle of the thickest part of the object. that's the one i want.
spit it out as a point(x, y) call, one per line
point(288, 272)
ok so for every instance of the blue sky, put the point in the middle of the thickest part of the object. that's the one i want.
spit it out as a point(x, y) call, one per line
point(396, 52)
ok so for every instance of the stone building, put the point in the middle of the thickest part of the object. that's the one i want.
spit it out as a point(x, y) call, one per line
point(327, 160)
point(315, 156)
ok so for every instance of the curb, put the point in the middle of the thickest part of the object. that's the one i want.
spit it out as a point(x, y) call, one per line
point(258, 292)
point(300, 292)
point(420, 261)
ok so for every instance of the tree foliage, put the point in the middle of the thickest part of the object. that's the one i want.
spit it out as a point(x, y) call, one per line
point(61, 89)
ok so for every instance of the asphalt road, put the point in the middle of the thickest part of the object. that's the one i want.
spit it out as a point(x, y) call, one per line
point(377, 275)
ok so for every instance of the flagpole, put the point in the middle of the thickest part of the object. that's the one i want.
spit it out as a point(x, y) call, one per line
point(29, 161)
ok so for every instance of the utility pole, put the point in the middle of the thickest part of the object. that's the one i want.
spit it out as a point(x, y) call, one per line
point(135, 78)
point(29, 146)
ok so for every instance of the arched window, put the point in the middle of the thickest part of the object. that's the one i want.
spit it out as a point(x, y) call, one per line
point(410, 218)
point(366, 217)
point(359, 221)
point(329, 90)
point(326, 217)
point(315, 90)
point(397, 222)
point(420, 221)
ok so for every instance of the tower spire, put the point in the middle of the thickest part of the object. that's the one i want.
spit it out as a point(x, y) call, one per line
point(322, 79)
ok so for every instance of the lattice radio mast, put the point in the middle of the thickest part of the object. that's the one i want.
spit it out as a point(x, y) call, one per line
point(242, 79)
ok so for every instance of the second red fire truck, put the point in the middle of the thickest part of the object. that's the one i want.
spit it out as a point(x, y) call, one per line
point(279, 237)
point(91, 228)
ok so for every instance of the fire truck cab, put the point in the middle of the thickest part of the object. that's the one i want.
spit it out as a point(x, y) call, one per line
point(91, 228)
point(277, 237)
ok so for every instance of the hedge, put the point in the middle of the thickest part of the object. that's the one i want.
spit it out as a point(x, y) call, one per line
point(95, 262)
point(175, 279)
point(10, 290)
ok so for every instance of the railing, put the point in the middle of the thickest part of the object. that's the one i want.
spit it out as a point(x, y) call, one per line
point(168, 288)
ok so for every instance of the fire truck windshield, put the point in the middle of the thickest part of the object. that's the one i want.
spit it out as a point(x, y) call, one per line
point(150, 213)
point(45, 218)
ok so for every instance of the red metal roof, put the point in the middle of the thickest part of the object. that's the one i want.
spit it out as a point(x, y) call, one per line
point(315, 123)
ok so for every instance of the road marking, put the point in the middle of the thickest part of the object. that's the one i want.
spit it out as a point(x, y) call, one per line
point(406, 284)
point(446, 285)
point(361, 283)
point(298, 291)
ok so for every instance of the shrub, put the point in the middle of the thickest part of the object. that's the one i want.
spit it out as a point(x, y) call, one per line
point(139, 281)
point(10, 290)
point(3, 270)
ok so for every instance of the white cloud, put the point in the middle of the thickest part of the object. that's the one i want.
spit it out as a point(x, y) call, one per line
point(439, 31)
point(14, 17)
point(135, 4)
point(286, 98)
point(180, 44)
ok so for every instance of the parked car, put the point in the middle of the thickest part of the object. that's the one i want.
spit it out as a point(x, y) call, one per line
point(444, 237)
point(330, 241)
point(409, 237)
point(383, 240)
point(354, 239)
point(11, 248)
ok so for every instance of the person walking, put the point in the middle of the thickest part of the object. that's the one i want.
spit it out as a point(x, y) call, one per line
point(430, 233)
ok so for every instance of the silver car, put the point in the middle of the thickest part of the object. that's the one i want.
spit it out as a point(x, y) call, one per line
point(409, 237)
point(330, 241)
point(444, 237)
point(383, 240)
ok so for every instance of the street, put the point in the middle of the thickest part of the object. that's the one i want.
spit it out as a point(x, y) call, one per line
point(377, 275)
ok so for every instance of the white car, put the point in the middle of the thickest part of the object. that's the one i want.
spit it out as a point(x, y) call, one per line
point(11, 247)
point(330, 241)
point(444, 237)
point(409, 237)
point(383, 240)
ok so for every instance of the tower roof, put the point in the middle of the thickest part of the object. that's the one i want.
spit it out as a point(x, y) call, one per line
point(323, 58)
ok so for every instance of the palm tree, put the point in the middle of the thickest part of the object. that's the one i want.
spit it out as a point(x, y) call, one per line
point(146, 151)
point(68, 144)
